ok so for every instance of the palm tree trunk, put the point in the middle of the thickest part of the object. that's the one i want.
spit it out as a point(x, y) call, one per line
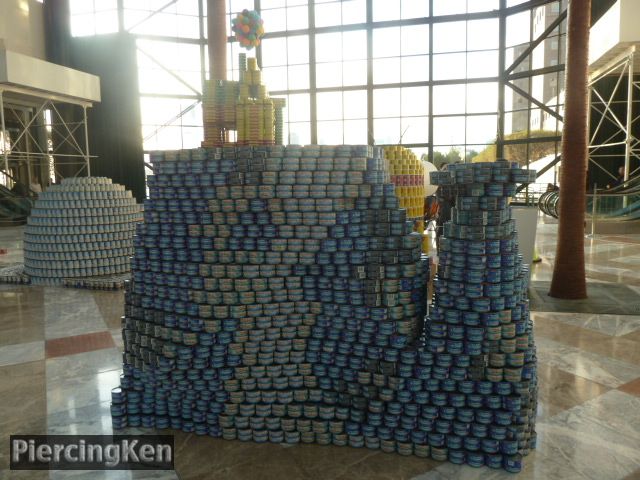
point(569, 280)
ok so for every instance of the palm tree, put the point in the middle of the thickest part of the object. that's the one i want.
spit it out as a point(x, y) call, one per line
point(569, 280)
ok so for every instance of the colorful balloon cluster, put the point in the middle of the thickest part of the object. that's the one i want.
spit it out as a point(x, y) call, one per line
point(249, 28)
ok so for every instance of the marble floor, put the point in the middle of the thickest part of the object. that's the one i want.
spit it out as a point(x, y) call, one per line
point(60, 356)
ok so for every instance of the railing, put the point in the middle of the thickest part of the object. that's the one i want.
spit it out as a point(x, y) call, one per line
point(548, 203)
point(601, 205)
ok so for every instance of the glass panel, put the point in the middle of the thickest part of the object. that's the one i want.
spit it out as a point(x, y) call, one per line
point(355, 132)
point(421, 152)
point(161, 138)
point(83, 25)
point(80, 6)
point(239, 5)
point(448, 99)
point(297, 18)
point(107, 22)
point(386, 10)
point(298, 49)
point(518, 28)
point(415, 69)
point(355, 104)
point(355, 73)
point(329, 74)
point(355, 45)
point(481, 128)
point(299, 107)
point(449, 66)
point(183, 60)
point(329, 105)
point(270, 4)
point(449, 7)
point(415, 40)
point(447, 154)
point(449, 130)
point(474, 6)
point(164, 23)
point(101, 5)
point(327, 14)
point(386, 102)
point(415, 101)
point(275, 20)
point(450, 37)
point(415, 130)
point(330, 133)
point(414, 8)
point(482, 97)
point(354, 11)
point(192, 137)
point(483, 34)
point(386, 70)
point(329, 47)
point(386, 131)
point(482, 64)
point(472, 151)
point(386, 42)
point(274, 52)
point(300, 133)
point(275, 78)
point(299, 77)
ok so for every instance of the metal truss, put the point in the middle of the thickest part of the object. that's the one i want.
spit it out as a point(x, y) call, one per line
point(602, 113)
point(43, 136)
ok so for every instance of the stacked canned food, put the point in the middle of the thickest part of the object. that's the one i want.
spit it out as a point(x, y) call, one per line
point(82, 227)
point(480, 314)
point(407, 174)
point(243, 106)
point(279, 295)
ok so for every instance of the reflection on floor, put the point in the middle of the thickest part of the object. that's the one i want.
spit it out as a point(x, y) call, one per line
point(60, 358)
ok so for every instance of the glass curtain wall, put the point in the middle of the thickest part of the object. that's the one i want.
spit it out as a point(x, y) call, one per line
point(452, 79)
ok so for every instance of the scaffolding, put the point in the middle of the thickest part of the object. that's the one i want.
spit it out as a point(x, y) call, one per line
point(606, 112)
point(35, 129)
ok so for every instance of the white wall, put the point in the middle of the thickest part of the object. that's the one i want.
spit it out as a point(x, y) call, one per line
point(618, 26)
point(22, 27)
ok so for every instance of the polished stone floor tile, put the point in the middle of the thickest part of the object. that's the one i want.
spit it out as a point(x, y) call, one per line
point(226, 459)
point(77, 392)
point(94, 419)
point(613, 325)
point(597, 368)
point(88, 342)
point(21, 353)
point(598, 439)
point(20, 331)
point(22, 393)
point(618, 348)
point(549, 469)
point(71, 312)
point(32, 423)
point(109, 304)
point(633, 336)
point(633, 476)
point(385, 466)
point(609, 298)
point(116, 334)
point(84, 364)
point(24, 474)
point(559, 390)
point(632, 387)
point(11, 240)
